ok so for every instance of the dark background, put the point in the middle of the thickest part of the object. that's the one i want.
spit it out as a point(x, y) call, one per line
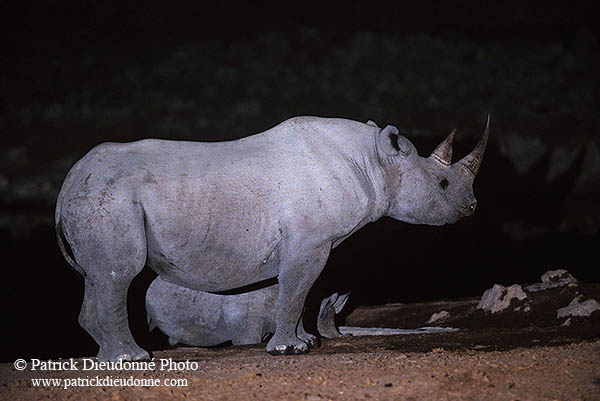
point(78, 73)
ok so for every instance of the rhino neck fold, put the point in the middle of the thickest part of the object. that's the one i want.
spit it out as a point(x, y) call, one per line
point(372, 180)
point(369, 186)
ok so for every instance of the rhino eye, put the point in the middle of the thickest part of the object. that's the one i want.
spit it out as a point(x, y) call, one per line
point(444, 183)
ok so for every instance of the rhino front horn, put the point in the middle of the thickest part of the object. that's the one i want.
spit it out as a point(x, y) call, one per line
point(443, 152)
point(472, 161)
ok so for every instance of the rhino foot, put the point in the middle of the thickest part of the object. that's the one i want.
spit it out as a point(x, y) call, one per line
point(298, 349)
point(313, 342)
point(131, 355)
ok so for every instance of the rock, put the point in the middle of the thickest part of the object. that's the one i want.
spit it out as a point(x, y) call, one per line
point(439, 316)
point(491, 297)
point(553, 279)
point(498, 297)
point(578, 308)
point(557, 276)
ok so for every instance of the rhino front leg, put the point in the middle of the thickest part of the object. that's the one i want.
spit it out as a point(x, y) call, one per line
point(312, 341)
point(296, 277)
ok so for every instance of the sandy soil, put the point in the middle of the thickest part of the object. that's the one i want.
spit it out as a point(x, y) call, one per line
point(345, 368)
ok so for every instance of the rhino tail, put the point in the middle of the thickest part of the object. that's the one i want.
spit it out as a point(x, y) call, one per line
point(60, 237)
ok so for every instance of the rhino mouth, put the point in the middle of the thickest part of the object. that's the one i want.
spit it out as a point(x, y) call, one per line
point(470, 210)
point(465, 212)
point(461, 214)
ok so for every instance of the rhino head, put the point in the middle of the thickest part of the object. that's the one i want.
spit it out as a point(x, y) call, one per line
point(428, 190)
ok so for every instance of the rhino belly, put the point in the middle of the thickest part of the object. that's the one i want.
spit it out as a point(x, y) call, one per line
point(216, 231)
point(213, 259)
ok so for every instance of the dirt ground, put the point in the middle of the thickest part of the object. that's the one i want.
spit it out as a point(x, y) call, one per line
point(501, 357)
point(346, 368)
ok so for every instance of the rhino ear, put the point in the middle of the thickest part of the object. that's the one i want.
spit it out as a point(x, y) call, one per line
point(391, 143)
point(339, 304)
point(327, 302)
point(372, 123)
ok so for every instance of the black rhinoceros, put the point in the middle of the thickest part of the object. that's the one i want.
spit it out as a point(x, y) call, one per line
point(223, 215)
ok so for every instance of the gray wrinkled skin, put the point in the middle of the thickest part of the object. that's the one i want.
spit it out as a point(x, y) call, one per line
point(204, 319)
point(219, 216)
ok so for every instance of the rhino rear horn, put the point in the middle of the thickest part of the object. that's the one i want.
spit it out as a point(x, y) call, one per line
point(472, 161)
point(443, 152)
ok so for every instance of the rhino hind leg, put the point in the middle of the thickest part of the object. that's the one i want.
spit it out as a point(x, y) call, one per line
point(109, 324)
point(109, 267)
point(87, 315)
